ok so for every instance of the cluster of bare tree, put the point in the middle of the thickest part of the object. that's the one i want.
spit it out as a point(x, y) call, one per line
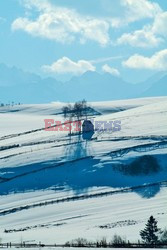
point(77, 111)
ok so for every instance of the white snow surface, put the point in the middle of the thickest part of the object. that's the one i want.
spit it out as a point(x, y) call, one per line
point(54, 188)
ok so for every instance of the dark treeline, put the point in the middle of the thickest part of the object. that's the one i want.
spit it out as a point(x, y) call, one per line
point(85, 244)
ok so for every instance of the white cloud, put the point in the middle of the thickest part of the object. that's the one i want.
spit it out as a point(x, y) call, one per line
point(67, 66)
point(62, 24)
point(140, 9)
point(65, 25)
point(40, 5)
point(144, 38)
point(156, 62)
point(159, 25)
point(135, 10)
point(150, 35)
point(112, 71)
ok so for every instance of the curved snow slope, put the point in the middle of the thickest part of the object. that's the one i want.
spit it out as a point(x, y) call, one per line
point(47, 178)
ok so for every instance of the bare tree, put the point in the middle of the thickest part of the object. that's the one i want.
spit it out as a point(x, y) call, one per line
point(68, 113)
point(80, 109)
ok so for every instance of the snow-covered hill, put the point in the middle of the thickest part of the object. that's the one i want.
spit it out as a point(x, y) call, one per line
point(54, 188)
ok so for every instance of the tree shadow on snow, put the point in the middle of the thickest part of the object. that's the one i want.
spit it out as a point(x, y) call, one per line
point(81, 172)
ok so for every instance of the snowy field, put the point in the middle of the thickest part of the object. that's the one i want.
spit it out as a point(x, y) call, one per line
point(54, 188)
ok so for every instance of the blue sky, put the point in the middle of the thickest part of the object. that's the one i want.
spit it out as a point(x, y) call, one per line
point(62, 38)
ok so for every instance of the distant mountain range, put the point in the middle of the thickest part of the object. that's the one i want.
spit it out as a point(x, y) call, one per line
point(19, 86)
